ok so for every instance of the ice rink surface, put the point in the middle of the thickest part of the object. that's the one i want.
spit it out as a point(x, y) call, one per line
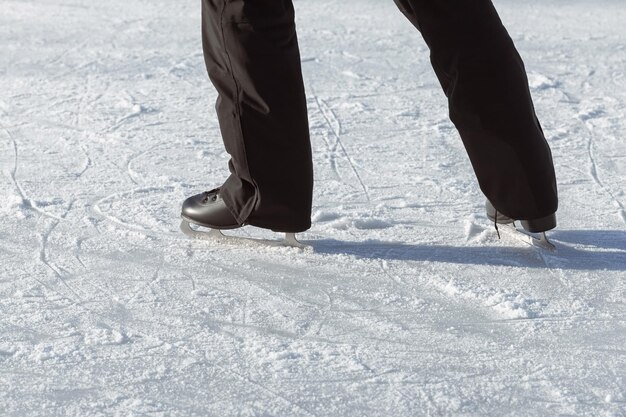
point(407, 304)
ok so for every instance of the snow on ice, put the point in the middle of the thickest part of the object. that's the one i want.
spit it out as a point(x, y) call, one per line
point(406, 304)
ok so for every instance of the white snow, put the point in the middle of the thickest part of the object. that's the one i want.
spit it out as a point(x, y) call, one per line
point(407, 304)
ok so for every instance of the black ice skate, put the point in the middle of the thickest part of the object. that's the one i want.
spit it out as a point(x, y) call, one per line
point(209, 210)
point(530, 227)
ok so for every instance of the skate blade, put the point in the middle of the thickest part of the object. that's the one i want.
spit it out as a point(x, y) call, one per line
point(539, 240)
point(289, 240)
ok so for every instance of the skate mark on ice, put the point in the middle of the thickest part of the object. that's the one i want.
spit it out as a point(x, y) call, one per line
point(60, 273)
point(129, 163)
point(262, 387)
point(244, 310)
point(612, 257)
point(218, 326)
point(260, 278)
point(116, 329)
point(334, 125)
point(76, 69)
point(261, 285)
point(79, 105)
point(155, 277)
point(585, 118)
point(135, 110)
point(427, 291)
point(331, 152)
point(78, 47)
point(510, 304)
point(99, 212)
point(324, 319)
point(77, 124)
point(88, 162)
point(27, 203)
point(366, 313)
point(85, 276)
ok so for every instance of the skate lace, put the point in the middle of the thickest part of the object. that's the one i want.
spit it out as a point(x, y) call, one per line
point(212, 195)
point(495, 224)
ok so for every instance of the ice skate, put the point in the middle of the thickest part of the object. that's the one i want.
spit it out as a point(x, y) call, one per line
point(532, 232)
point(209, 210)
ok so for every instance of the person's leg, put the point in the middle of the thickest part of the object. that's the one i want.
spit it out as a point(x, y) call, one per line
point(485, 81)
point(252, 57)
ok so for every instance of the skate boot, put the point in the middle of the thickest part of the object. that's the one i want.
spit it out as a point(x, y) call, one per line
point(209, 210)
point(540, 225)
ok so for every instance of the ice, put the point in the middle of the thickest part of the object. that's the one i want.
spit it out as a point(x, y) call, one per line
point(407, 304)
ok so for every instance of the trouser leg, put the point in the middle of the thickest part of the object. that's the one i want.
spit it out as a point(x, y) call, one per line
point(485, 81)
point(252, 57)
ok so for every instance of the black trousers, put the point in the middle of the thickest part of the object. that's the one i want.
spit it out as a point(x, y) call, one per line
point(252, 57)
